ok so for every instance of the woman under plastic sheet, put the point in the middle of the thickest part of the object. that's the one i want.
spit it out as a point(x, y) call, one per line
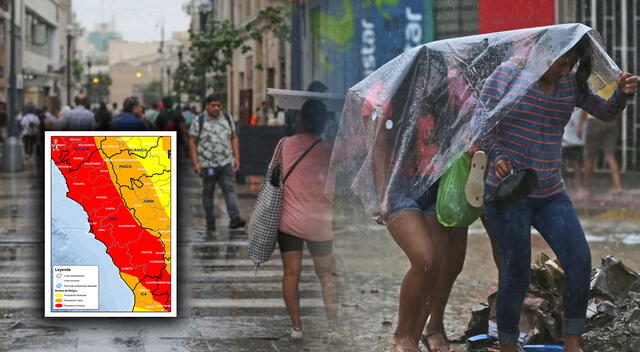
point(530, 136)
point(436, 253)
point(411, 220)
point(400, 130)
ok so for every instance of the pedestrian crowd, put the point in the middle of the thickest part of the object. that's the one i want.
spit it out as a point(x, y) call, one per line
point(208, 138)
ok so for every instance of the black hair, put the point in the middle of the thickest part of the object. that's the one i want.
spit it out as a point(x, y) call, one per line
point(313, 116)
point(30, 108)
point(317, 86)
point(582, 50)
point(129, 103)
point(167, 102)
point(211, 98)
point(81, 99)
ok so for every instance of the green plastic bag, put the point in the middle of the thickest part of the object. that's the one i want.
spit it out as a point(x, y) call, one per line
point(452, 207)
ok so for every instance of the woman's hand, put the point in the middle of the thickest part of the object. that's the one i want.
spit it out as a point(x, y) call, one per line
point(381, 212)
point(503, 168)
point(628, 83)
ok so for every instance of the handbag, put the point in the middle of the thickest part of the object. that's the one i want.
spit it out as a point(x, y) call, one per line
point(265, 217)
point(452, 207)
point(517, 185)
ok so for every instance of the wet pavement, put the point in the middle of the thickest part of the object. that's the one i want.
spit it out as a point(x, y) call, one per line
point(225, 305)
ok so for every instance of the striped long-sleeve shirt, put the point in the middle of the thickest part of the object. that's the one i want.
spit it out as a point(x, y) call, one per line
point(530, 134)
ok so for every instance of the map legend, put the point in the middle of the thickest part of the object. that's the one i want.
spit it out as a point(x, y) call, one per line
point(76, 287)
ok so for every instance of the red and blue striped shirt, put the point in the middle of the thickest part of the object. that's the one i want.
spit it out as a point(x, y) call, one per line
point(530, 133)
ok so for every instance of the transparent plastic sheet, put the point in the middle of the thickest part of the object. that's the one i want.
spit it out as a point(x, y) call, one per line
point(406, 122)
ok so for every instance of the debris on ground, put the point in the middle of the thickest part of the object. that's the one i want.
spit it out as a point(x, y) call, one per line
point(613, 323)
point(613, 314)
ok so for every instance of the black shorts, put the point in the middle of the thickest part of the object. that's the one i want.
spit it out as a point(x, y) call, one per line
point(288, 243)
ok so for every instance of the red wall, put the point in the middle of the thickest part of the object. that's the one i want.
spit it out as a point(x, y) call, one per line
point(504, 15)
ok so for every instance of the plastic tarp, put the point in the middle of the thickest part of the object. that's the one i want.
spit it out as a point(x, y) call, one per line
point(406, 122)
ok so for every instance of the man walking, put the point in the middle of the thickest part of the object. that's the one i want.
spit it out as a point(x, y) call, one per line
point(215, 153)
point(79, 119)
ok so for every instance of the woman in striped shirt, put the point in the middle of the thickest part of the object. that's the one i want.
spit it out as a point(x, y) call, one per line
point(530, 136)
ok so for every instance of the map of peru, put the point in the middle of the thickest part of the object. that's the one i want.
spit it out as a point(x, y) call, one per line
point(124, 186)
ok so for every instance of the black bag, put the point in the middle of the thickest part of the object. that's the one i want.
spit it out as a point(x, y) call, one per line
point(517, 185)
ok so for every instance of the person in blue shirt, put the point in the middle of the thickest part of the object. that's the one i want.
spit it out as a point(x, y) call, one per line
point(131, 117)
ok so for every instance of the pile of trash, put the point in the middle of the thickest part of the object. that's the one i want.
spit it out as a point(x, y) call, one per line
point(613, 323)
point(613, 314)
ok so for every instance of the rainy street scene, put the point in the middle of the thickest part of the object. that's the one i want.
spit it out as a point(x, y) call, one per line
point(306, 175)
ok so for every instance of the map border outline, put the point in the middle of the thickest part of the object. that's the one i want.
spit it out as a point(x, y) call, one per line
point(48, 234)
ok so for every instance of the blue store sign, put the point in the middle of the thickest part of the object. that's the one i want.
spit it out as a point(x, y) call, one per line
point(352, 38)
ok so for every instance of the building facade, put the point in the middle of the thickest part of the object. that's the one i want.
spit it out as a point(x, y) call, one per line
point(43, 29)
point(133, 66)
point(266, 65)
point(4, 49)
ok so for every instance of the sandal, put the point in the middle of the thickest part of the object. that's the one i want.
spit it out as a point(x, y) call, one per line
point(474, 187)
point(425, 338)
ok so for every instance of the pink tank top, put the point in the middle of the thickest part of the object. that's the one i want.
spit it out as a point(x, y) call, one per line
point(306, 210)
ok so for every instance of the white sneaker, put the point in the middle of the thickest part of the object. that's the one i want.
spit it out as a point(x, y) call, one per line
point(332, 335)
point(474, 187)
point(296, 335)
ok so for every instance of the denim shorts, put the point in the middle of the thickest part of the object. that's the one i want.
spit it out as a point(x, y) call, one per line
point(400, 198)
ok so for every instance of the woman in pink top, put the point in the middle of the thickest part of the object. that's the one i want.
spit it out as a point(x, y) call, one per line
point(306, 214)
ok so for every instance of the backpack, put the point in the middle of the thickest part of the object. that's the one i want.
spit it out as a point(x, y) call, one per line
point(172, 118)
point(201, 123)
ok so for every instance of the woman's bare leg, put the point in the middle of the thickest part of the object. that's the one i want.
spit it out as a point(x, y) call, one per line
point(451, 245)
point(408, 229)
point(292, 262)
point(325, 268)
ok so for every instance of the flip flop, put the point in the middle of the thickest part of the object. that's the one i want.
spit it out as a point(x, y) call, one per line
point(474, 188)
point(425, 337)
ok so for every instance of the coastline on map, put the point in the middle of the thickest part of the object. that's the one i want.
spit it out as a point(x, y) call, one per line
point(73, 244)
